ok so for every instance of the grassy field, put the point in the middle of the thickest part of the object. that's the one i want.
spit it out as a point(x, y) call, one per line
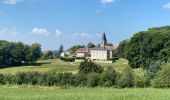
point(57, 65)
point(56, 93)
point(81, 93)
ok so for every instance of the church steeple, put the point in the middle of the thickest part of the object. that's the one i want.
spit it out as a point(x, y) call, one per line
point(103, 41)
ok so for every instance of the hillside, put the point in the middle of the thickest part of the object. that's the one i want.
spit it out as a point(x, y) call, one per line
point(57, 65)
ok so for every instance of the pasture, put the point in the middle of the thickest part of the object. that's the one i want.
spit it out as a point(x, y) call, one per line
point(57, 65)
point(56, 93)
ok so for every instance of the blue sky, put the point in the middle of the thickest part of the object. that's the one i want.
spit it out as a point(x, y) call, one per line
point(70, 22)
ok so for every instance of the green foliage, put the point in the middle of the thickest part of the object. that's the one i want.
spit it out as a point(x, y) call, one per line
point(73, 49)
point(80, 79)
point(47, 55)
point(61, 49)
point(87, 67)
point(139, 79)
point(90, 45)
point(34, 53)
point(146, 46)
point(152, 71)
point(162, 80)
point(15, 53)
point(126, 79)
point(108, 77)
point(1, 79)
point(122, 49)
point(93, 79)
point(80, 58)
point(67, 59)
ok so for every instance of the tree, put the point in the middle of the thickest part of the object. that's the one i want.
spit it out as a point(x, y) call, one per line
point(90, 45)
point(162, 80)
point(47, 55)
point(34, 53)
point(108, 77)
point(61, 48)
point(126, 79)
point(74, 48)
point(16, 53)
point(5, 52)
point(146, 46)
point(121, 50)
point(87, 67)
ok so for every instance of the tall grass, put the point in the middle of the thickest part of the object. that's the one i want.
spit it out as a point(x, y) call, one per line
point(56, 93)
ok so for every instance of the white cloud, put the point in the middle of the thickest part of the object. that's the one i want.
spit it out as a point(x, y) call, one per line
point(86, 35)
point(40, 31)
point(104, 5)
point(59, 33)
point(82, 35)
point(167, 6)
point(106, 1)
point(12, 2)
point(6, 31)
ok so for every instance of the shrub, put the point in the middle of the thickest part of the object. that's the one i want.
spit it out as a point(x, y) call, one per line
point(52, 78)
point(67, 59)
point(80, 58)
point(169, 60)
point(1, 79)
point(126, 79)
point(93, 80)
point(139, 81)
point(20, 78)
point(48, 79)
point(152, 71)
point(8, 79)
point(87, 67)
point(108, 77)
point(32, 78)
point(162, 80)
point(66, 79)
point(80, 79)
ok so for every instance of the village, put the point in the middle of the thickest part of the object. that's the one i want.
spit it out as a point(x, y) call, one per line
point(85, 49)
point(103, 52)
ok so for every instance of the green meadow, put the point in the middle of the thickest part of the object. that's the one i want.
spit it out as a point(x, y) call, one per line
point(26, 92)
point(56, 93)
point(57, 65)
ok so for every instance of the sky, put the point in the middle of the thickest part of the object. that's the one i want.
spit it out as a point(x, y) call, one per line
point(72, 22)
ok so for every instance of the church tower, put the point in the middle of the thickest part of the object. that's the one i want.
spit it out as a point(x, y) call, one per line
point(103, 41)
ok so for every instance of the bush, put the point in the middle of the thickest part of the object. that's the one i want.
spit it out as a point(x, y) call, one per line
point(67, 59)
point(80, 79)
point(108, 77)
point(66, 79)
point(126, 79)
point(51, 78)
point(1, 79)
point(8, 79)
point(80, 58)
point(152, 71)
point(87, 67)
point(20, 78)
point(139, 81)
point(48, 79)
point(162, 80)
point(93, 80)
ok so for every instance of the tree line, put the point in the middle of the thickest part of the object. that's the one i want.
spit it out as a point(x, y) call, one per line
point(17, 53)
point(146, 47)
